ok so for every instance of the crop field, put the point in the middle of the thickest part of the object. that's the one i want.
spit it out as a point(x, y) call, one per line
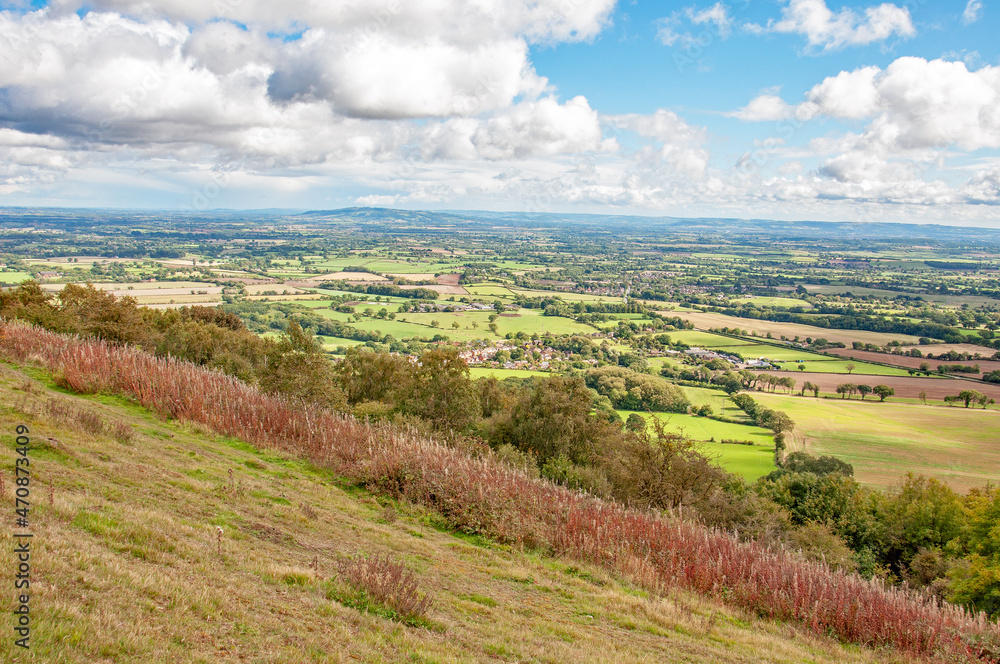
point(915, 362)
point(791, 330)
point(885, 440)
point(936, 388)
point(776, 302)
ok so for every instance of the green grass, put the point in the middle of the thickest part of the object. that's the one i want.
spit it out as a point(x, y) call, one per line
point(491, 291)
point(707, 339)
point(748, 461)
point(885, 440)
point(13, 276)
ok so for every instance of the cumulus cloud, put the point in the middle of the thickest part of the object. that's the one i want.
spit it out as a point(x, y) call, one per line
point(826, 30)
point(916, 103)
point(763, 108)
point(915, 116)
point(973, 12)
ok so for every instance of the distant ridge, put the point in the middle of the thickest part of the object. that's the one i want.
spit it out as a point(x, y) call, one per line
point(683, 225)
point(379, 219)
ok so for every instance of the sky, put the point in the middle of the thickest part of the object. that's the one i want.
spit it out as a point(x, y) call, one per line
point(781, 109)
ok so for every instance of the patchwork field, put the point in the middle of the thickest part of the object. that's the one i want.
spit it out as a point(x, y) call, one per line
point(791, 330)
point(885, 440)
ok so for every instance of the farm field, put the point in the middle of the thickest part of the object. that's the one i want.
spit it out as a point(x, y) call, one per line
point(915, 362)
point(707, 339)
point(749, 461)
point(906, 387)
point(704, 320)
point(886, 440)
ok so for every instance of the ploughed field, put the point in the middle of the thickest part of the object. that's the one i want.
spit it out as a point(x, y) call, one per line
point(907, 387)
point(915, 362)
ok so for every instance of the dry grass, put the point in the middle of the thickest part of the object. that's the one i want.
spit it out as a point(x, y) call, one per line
point(478, 495)
point(128, 567)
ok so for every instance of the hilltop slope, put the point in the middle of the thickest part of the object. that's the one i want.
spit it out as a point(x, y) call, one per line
point(128, 565)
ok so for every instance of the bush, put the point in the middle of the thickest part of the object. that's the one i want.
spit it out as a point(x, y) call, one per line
point(381, 586)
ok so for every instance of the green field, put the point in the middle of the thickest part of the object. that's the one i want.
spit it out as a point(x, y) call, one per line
point(885, 440)
point(785, 302)
point(490, 290)
point(13, 276)
point(706, 339)
point(748, 461)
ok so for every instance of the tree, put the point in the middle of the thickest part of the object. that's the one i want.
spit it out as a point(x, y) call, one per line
point(635, 422)
point(925, 367)
point(923, 397)
point(975, 581)
point(970, 396)
point(802, 367)
point(298, 369)
point(883, 391)
point(865, 390)
point(441, 391)
point(845, 389)
point(662, 470)
point(850, 367)
point(554, 419)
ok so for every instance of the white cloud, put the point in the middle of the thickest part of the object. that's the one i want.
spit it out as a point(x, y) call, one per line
point(829, 31)
point(763, 108)
point(973, 12)
point(718, 22)
point(983, 187)
point(918, 104)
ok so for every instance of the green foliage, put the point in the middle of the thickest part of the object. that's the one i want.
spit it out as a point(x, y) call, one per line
point(629, 390)
point(923, 513)
point(299, 370)
point(554, 419)
point(657, 468)
point(975, 580)
point(803, 462)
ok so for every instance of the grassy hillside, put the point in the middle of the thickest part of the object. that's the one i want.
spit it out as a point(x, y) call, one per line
point(129, 565)
point(172, 544)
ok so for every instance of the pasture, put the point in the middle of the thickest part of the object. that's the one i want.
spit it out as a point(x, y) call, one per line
point(883, 441)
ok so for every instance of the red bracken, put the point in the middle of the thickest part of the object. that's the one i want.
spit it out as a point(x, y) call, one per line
point(482, 495)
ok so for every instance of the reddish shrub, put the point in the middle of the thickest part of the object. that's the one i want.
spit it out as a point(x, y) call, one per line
point(483, 495)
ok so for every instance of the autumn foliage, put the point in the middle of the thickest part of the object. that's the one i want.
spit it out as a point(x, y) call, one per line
point(479, 494)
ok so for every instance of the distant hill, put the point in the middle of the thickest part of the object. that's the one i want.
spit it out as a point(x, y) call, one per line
point(382, 219)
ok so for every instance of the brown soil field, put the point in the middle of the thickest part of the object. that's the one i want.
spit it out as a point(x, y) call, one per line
point(907, 361)
point(958, 348)
point(704, 321)
point(449, 279)
point(443, 290)
point(351, 276)
point(906, 387)
point(248, 282)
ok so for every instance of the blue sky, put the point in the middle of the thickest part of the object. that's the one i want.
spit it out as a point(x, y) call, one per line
point(791, 109)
